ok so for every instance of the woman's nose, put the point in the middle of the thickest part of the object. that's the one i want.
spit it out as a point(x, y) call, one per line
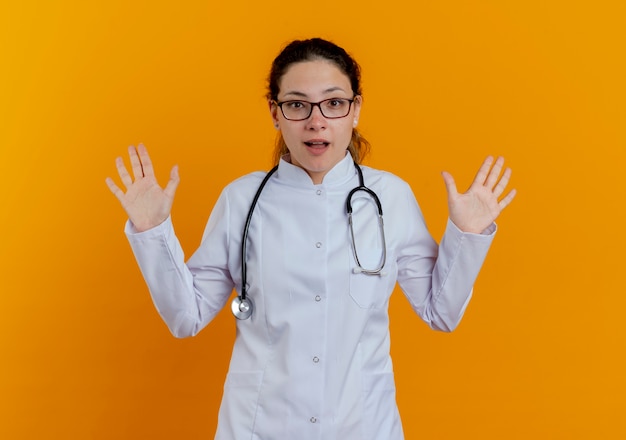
point(317, 119)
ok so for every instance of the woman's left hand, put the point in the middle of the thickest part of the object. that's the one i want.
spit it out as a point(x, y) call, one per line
point(474, 210)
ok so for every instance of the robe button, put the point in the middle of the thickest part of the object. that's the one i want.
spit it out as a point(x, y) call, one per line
point(316, 359)
point(313, 420)
point(318, 298)
point(318, 245)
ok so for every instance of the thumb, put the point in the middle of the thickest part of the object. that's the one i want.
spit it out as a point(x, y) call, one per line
point(172, 184)
point(450, 184)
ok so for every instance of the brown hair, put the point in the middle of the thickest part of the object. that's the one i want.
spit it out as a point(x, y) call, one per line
point(310, 50)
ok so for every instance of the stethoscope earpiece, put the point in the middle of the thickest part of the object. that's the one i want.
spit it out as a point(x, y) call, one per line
point(358, 270)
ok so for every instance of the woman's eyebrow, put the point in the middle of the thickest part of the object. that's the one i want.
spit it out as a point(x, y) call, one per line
point(295, 93)
point(298, 94)
point(334, 89)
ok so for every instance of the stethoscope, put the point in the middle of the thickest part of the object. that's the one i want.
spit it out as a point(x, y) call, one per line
point(242, 305)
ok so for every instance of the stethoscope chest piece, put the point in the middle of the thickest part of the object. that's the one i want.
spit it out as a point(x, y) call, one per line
point(242, 308)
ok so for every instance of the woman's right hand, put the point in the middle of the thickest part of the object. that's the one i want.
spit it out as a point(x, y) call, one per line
point(146, 203)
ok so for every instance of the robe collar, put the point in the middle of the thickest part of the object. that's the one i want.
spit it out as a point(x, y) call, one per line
point(291, 174)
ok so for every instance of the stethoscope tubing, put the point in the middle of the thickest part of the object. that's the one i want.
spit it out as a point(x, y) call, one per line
point(246, 228)
point(242, 306)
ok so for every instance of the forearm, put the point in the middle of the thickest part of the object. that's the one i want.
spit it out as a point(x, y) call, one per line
point(171, 283)
point(441, 293)
point(461, 256)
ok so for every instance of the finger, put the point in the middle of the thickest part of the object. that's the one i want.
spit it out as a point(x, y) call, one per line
point(146, 163)
point(117, 192)
point(483, 171)
point(135, 162)
point(172, 184)
point(123, 172)
point(504, 181)
point(507, 199)
point(450, 184)
point(494, 173)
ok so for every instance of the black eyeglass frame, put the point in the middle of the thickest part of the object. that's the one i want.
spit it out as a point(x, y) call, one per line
point(315, 104)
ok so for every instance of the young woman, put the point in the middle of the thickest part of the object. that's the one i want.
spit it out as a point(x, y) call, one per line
point(312, 263)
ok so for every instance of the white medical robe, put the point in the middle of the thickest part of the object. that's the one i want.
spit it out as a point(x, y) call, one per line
point(313, 360)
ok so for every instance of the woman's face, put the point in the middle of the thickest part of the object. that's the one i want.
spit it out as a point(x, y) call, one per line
point(316, 144)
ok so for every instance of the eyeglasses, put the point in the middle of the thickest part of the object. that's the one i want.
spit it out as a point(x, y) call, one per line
point(333, 108)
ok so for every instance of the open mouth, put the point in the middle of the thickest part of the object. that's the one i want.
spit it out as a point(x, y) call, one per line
point(317, 144)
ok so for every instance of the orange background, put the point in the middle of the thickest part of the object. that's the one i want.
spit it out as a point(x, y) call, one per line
point(540, 353)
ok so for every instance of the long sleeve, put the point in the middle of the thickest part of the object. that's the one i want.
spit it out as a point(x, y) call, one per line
point(187, 296)
point(438, 281)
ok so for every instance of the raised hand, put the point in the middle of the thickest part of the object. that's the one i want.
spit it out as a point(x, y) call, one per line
point(474, 210)
point(145, 202)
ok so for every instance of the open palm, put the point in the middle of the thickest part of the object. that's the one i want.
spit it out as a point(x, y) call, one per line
point(474, 210)
point(145, 202)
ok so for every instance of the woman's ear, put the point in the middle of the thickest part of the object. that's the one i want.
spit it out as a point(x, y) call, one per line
point(274, 113)
point(358, 100)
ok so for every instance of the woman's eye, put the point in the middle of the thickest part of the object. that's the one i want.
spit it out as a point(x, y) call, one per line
point(295, 105)
point(336, 102)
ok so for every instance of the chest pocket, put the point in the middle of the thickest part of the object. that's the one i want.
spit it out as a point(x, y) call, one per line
point(372, 291)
